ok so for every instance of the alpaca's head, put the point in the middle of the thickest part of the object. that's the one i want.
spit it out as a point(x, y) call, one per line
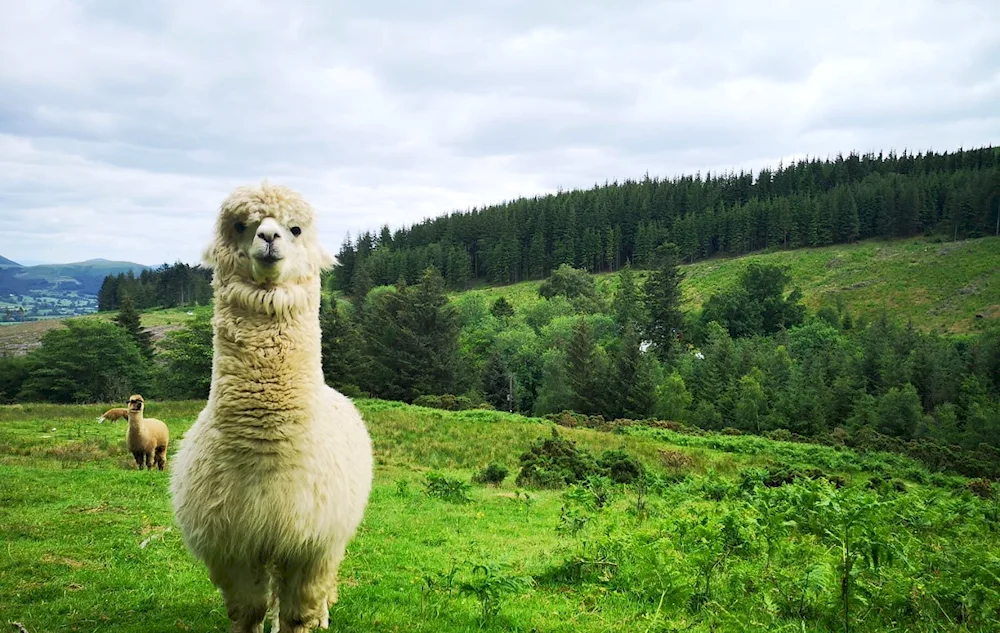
point(265, 238)
point(135, 403)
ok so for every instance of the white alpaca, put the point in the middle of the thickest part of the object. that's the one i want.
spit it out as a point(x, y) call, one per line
point(273, 478)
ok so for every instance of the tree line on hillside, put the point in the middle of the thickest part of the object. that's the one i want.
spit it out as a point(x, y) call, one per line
point(807, 203)
point(167, 286)
point(752, 360)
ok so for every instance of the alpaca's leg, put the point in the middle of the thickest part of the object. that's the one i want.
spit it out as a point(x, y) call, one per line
point(303, 591)
point(160, 457)
point(138, 459)
point(244, 590)
point(149, 460)
point(332, 569)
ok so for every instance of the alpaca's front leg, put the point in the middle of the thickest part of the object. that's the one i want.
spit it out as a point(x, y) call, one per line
point(244, 590)
point(306, 592)
point(138, 459)
point(149, 461)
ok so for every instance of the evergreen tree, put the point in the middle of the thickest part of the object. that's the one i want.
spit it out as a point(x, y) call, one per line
point(662, 292)
point(583, 369)
point(497, 384)
point(628, 304)
point(502, 309)
point(185, 355)
point(633, 388)
point(341, 348)
point(128, 319)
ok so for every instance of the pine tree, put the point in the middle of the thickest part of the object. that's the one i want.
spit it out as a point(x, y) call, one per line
point(340, 348)
point(663, 302)
point(128, 319)
point(628, 303)
point(584, 371)
point(501, 309)
point(497, 384)
point(634, 391)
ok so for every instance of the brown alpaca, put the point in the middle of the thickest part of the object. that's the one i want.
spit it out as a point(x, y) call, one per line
point(147, 437)
point(112, 415)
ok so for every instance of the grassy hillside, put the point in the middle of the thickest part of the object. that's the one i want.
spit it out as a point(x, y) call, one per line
point(91, 544)
point(939, 286)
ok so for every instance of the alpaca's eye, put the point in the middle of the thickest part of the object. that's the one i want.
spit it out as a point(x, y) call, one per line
point(240, 227)
point(296, 231)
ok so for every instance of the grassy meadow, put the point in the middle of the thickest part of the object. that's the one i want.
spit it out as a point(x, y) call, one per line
point(726, 533)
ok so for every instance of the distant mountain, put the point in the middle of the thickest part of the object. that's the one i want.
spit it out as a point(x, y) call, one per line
point(83, 277)
point(4, 262)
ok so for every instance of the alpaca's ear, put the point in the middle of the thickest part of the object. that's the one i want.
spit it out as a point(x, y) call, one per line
point(208, 258)
point(326, 260)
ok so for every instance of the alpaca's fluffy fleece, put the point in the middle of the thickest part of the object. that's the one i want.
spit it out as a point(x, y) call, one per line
point(273, 478)
point(112, 415)
point(146, 438)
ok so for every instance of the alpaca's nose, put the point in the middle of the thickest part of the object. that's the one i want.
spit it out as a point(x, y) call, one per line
point(268, 235)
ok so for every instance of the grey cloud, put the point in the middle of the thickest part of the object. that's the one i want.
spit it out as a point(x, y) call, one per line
point(146, 114)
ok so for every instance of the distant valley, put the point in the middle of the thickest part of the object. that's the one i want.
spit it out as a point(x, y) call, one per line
point(29, 293)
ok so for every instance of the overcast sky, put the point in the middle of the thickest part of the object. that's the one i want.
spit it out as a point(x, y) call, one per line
point(123, 124)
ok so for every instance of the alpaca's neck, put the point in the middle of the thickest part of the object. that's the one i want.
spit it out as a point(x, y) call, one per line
point(135, 420)
point(275, 345)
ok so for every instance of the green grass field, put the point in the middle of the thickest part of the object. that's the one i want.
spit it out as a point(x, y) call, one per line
point(89, 543)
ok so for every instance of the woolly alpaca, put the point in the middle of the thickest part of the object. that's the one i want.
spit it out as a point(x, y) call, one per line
point(273, 478)
point(112, 415)
point(146, 438)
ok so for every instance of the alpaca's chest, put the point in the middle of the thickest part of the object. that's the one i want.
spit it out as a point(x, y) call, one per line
point(247, 493)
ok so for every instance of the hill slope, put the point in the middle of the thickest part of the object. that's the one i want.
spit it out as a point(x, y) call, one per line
point(937, 286)
point(82, 277)
point(7, 262)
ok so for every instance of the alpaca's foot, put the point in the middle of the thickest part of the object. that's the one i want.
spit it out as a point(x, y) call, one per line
point(245, 593)
point(244, 627)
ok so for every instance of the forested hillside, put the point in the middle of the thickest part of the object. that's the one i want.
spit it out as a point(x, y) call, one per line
point(808, 203)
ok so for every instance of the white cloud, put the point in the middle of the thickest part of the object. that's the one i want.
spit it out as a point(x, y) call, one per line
point(135, 119)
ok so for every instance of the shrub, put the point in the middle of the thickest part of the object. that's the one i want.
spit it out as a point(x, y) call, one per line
point(494, 474)
point(554, 462)
point(449, 402)
point(447, 488)
point(675, 459)
point(982, 488)
point(620, 467)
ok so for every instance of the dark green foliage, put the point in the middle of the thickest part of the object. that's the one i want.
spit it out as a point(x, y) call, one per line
point(13, 372)
point(662, 292)
point(620, 467)
point(502, 309)
point(574, 284)
point(494, 474)
point(554, 462)
point(412, 341)
point(128, 320)
point(497, 383)
point(628, 303)
point(449, 402)
point(342, 347)
point(811, 202)
point(447, 488)
point(585, 371)
point(633, 390)
point(167, 286)
point(88, 361)
point(758, 304)
point(184, 361)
